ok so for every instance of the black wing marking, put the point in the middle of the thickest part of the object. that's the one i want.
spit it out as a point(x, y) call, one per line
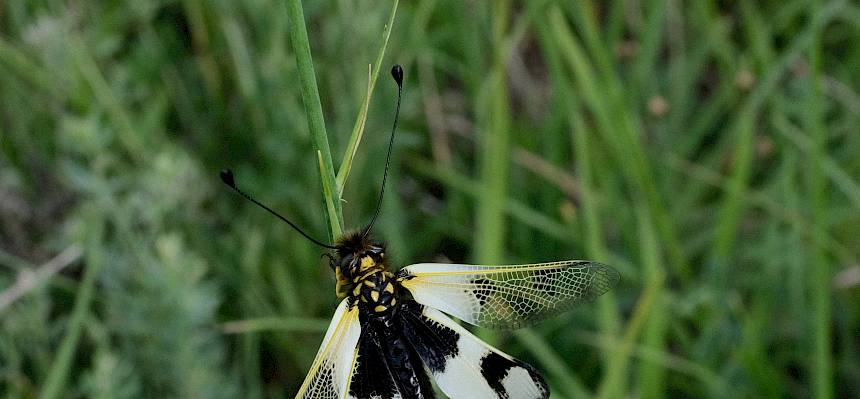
point(463, 365)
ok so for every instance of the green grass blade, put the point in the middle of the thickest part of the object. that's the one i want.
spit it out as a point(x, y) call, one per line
point(822, 358)
point(490, 226)
point(733, 205)
point(361, 119)
point(313, 110)
point(61, 368)
point(335, 229)
point(651, 377)
point(603, 96)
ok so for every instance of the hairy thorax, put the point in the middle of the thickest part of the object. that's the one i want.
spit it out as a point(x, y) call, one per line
point(362, 274)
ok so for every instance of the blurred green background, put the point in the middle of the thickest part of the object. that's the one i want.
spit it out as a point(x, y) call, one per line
point(707, 150)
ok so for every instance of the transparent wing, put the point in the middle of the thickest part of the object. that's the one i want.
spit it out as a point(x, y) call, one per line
point(334, 364)
point(510, 296)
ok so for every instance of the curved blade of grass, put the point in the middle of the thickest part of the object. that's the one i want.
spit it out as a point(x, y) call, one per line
point(361, 119)
point(313, 110)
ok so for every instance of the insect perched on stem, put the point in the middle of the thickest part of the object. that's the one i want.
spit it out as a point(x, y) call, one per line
point(392, 328)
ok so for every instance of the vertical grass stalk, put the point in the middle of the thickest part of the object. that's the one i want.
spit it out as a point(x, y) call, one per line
point(313, 110)
point(822, 359)
point(650, 377)
point(361, 118)
point(495, 148)
point(495, 143)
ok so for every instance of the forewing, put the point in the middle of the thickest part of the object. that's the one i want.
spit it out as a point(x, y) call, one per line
point(463, 365)
point(510, 296)
point(334, 364)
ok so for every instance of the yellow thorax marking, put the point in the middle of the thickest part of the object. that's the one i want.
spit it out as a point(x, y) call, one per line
point(367, 262)
point(361, 279)
point(366, 272)
point(341, 283)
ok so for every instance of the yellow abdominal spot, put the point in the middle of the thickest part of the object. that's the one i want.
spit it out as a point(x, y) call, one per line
point(390, 288)
point(379, 308)
point(374, 295)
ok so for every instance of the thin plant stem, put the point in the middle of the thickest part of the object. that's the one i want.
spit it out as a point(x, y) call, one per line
point(313, 110)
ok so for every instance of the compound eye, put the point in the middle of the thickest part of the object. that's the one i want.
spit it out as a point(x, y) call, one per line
point(353, 264)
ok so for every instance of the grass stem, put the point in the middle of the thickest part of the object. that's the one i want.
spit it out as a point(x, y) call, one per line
point(313, 111)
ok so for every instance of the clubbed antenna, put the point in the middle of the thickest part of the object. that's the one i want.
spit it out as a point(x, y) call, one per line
point(227, 178)
point(397, 74)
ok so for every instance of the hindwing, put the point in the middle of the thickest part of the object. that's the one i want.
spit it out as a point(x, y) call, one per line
point(463, 366)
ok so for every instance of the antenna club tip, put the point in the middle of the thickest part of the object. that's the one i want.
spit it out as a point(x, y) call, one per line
point(397, 74)
point(227, 177)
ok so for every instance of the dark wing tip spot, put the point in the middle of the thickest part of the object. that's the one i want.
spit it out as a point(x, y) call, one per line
point(494, 368)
